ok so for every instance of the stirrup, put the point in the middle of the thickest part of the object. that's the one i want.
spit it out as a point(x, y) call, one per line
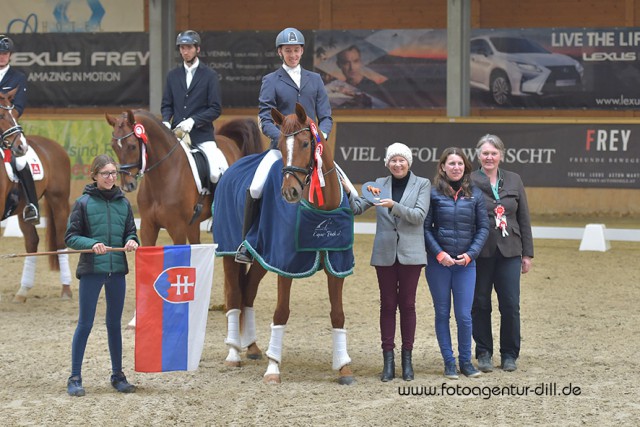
point(243, 256)
point(30, 214)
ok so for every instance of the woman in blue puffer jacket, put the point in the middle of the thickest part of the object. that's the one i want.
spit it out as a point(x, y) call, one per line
point(455, 230)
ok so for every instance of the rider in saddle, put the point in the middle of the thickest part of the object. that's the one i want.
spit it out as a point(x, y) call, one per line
point(282, 89)
point(191, 102)
point(11, 78)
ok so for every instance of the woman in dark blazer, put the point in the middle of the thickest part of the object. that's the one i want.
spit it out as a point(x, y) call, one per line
point(398, 252)
point(507, 253)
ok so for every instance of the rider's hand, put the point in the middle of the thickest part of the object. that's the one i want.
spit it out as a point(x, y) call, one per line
point(167, 124)
point(186, 125)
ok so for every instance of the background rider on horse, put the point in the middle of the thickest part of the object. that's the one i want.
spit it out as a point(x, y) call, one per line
point(11, 78)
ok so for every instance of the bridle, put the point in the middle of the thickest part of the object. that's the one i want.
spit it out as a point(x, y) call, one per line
point(15, 130)
point(294, 170)
point(140, 164)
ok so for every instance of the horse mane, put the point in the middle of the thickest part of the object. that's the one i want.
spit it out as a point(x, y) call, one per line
point(245, 133)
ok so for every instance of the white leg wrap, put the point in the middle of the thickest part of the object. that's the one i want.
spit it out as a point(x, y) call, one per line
point(340, 356)
point(260, 177)
point(28, 272)
point(273, 368)
point(217, 162)
point(275, 343)
point(347, 181)
point(248, 336)
point(132, 322)
point(233, 329)
point(233, 356)
point(65, 271)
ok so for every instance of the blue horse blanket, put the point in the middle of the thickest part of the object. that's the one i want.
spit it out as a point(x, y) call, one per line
point(287, 239)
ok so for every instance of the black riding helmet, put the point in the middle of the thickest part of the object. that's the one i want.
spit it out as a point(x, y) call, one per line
point(188, 37)
point(6, 44)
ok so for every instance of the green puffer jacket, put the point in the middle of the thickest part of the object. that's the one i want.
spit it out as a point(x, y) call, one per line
point(95, 219)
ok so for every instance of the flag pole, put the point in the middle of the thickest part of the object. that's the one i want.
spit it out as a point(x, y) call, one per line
point(64, 251)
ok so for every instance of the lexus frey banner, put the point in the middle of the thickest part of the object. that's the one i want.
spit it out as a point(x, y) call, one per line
point(545, 155)
point(84, 70)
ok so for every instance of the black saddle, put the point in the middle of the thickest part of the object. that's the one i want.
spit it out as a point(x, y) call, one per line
point(204, 172)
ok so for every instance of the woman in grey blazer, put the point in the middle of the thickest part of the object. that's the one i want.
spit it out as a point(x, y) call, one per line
point(398, 252)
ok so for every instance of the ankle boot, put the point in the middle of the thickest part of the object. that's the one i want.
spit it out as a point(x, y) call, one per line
point(407, 367)
point(389, 368)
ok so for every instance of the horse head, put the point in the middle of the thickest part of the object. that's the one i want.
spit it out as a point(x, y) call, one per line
point(12, 136)
point(127, 146)
point(297, 145)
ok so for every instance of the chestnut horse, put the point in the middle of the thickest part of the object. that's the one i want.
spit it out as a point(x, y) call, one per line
point(54, 187)
point(168, 195)
point(298, 144)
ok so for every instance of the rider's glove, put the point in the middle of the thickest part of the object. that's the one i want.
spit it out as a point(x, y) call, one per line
point(186, 125)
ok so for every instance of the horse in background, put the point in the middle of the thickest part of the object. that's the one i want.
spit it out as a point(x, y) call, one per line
point(305, 158)
point(168, 196)
point(54, 187)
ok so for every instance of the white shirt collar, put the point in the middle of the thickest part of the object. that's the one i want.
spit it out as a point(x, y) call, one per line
point(4, 72)
point(193, 67)
point(294, 70)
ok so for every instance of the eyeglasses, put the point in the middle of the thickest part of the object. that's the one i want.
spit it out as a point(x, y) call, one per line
point(106, 175)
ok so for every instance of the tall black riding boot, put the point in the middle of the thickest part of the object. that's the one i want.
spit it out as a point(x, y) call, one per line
point(389, 368)
point(31, 213)
point(251, 210)
point(407, 367)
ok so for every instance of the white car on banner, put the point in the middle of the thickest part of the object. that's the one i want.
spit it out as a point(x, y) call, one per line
point(507, 66)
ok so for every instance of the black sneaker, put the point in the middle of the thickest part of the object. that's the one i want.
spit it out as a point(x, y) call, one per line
point(485, 364)
point(30, 214)
point(74, 386)
point(120, 383)
point(508, 364)
point(468, 370)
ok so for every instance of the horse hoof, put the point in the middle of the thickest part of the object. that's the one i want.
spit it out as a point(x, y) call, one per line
point(66, 294)
point(254, 352)
point(232, 364)
point(347, 380)
point(19, 299)
point(272, 379)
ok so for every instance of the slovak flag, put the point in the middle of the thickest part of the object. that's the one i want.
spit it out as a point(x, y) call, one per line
point(173, 287)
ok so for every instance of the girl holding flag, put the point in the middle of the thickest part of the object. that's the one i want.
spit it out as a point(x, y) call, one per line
point(101, 219)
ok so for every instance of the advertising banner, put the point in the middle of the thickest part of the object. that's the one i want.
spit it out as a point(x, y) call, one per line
point(91, 70)
point(545, 155)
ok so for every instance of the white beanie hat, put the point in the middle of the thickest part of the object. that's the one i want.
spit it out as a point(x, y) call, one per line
point(398, 149)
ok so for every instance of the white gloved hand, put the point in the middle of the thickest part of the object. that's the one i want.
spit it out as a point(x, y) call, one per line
point(167, 124)
point(186, 125)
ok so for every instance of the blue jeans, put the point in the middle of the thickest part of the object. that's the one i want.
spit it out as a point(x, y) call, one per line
point(89, 291)
point(503, 274)
point(443, 283)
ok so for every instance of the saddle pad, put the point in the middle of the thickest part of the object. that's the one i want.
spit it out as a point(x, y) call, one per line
point(33, 161)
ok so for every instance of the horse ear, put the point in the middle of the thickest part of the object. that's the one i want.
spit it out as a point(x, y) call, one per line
point(110, 119)
point(277, 116)
point(300, 113)
point(12, 93)
point(131, 117)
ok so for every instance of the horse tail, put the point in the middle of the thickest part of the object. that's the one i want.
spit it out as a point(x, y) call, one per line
point(52, 238)
point(245, 133)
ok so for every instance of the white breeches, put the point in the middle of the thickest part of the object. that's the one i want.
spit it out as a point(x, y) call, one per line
point(21, 162)
point(260, 177)
point(217, 162)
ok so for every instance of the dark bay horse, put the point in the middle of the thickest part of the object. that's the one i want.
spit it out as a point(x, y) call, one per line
point(54, 187)
point(299, 143)
point(168, 193)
